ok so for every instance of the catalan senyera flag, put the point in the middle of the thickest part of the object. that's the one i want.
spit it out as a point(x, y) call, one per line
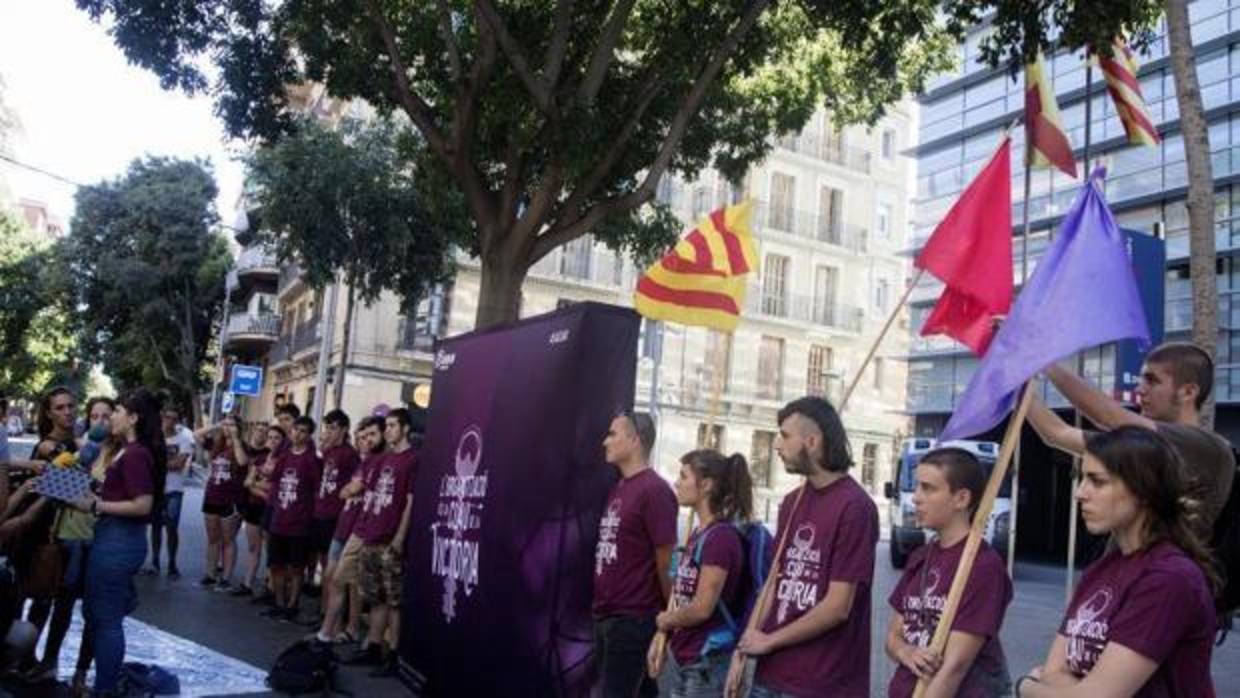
point(702, 280)
point(1046, 143)
point(1120, 71)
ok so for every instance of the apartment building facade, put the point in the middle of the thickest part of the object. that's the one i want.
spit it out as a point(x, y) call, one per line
point(831, 215)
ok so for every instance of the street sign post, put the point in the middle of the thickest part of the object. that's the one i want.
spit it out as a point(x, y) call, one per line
point(246, 380)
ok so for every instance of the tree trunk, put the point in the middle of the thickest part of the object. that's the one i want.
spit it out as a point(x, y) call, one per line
point(1200, 186)
point(499, 298)
point(338, 398)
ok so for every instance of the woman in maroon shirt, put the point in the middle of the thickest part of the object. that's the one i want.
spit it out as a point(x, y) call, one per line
point(1142, 621)
point(131, 484)
point(257, 483)
point(226, 470)
point(703, 624)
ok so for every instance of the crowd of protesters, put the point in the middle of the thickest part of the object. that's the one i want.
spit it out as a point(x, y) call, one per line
point(325, 511)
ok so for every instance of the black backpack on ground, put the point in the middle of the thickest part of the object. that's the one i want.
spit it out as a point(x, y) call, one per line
point(305, 666)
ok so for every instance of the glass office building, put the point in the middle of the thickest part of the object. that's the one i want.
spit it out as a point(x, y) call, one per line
point(963, 115)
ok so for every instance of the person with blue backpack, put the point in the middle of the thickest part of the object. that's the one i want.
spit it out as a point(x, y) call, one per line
point(950, 482)
point(710, 589)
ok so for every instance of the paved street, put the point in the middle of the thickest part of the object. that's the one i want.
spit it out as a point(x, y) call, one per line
point(217, 623)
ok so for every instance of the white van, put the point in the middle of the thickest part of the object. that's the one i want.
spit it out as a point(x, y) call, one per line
point(906, 535)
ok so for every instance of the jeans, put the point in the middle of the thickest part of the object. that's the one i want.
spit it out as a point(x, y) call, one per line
point(704, 678)
point(118, 552)
point(760, 691)
point(620, 646)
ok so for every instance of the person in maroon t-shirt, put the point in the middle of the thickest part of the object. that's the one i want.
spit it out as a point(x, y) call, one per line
point(226, 470)
point(815, 640)
point(291, 498)
point(706, 596)
point(950, 482)
point(631, 561)
point(342, 565)
point(257, 486)
point(381, 528)
point(1142, 620)
point(339, 463)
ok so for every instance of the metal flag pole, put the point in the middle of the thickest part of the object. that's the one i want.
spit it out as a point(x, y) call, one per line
point(1070, 574)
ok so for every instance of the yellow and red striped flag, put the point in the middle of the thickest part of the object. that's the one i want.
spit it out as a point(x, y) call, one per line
point(1120, 71)
point(1046, 143)
point(702, 280)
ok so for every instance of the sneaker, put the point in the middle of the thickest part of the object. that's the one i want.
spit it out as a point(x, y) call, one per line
point(223, 586)
point(241, 590)
point(287, 615)
point(207, 582)
point(266, 598)
point(149, 572)
point(43, 672)
point(174, 574)
point(367, 656)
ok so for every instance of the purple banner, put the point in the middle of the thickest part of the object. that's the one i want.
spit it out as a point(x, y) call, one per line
point(511, 484)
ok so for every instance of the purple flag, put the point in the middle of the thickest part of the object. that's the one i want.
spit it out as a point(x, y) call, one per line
point(1082, 294)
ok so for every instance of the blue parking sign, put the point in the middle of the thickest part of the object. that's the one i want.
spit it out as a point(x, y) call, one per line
point(246, 380)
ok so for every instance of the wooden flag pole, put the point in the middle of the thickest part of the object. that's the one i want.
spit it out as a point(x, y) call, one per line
point(660, 638)
point(895, 312)
point(977, 530)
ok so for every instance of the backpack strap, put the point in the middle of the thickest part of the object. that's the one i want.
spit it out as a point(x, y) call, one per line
point(720, 606)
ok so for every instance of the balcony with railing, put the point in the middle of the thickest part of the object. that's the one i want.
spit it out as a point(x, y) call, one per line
point(258, 263)
point(810, 225)
point(252, 333)
point(828, 149)
point(803, 309)
point(291, 277)
point(305, 336)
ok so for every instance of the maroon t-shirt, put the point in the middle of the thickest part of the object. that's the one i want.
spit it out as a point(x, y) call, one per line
point(353, 507)
point(920, 596)
point(225, 480)
point(1154, 602)
point(832, 538)
point(339, 463)
point(131, 475)
point(640, 516)
point(722, 548)
point(294, 482)
point(388, 483)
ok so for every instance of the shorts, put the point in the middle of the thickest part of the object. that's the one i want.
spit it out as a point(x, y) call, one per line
point(221, 510)
point(287, 551)
point(169, 513)
point(321, 532)
point(347, 569)
point(381, 573)
point(252, 512)
point(266, 518)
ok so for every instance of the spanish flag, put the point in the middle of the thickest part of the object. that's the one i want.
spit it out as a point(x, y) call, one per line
point(702, 280)
point(1046, 143)
point(1120, 71)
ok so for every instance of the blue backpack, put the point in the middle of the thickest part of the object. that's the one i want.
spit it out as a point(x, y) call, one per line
point(758, 549)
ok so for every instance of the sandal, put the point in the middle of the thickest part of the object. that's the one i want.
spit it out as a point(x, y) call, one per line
point(344, 638)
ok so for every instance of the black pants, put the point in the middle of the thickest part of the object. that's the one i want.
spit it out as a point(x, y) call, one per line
point(620, 646)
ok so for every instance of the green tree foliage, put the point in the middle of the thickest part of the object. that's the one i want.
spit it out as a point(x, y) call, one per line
point(36, 339)
point(545, 121)
point(345, 201)
point(147, 270)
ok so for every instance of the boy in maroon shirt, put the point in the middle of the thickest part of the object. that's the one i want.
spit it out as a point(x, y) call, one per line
point(381, 528)
point(632, 559)
point(294, 483)
point(950, 482)
point(815, 640)
point(340, 460)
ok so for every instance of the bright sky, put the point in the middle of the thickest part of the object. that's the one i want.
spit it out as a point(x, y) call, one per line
point(86, 113)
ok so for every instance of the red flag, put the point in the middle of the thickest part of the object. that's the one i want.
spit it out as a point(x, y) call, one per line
point(971, 252)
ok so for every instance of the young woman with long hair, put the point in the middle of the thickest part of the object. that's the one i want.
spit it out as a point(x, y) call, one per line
point(709, 574)
point(257, 485)
point(1142, 620)
point(132, 484)
point(227, 463)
